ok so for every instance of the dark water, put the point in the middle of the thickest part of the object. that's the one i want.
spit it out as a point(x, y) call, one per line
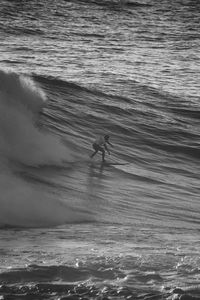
point(73, 228)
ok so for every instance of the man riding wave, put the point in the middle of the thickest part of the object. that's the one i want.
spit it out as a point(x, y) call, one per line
point(100, 144)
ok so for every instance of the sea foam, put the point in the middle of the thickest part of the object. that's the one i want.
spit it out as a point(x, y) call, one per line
point(24, 143)
point(21, 137)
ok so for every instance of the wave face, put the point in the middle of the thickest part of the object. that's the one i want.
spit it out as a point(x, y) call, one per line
point(156, 137)
point(46, 146)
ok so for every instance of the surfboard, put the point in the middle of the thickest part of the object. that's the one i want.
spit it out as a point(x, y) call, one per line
point(113, 163)
point(107, 163)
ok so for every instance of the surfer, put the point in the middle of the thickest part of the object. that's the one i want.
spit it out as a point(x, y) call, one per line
point(100, 144)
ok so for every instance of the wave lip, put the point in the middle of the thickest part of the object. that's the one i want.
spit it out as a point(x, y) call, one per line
point(22, 137)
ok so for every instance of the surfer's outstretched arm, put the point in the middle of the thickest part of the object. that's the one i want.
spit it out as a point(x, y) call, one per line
point(109, 143)
point(93, 154)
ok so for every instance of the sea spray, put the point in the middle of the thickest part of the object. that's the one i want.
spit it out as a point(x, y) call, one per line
point(21, 137)
point(24, 144)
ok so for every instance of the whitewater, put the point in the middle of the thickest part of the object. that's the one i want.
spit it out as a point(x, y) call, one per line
point(72, 227)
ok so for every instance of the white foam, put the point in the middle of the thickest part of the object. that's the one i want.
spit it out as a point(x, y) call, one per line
point(21, 139)
point(22, 202)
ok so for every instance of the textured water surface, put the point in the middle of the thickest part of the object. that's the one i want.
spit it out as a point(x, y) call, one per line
point(71, 227)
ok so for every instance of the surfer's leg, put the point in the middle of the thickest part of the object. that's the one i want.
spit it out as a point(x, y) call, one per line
point(103, 153)
point(96, 148)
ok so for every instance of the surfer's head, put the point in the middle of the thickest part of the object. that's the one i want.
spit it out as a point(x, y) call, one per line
point(106, 137)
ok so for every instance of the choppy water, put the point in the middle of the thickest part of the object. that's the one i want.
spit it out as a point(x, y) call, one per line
point(72, 227)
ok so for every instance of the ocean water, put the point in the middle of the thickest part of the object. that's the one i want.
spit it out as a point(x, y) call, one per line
point(71, 227)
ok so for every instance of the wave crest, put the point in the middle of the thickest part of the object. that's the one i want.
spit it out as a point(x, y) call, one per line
point(22, 139)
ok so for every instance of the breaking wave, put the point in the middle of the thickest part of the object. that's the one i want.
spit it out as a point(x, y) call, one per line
point(24, 142)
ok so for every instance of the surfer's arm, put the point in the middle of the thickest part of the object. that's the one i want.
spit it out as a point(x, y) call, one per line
point(110, 144)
